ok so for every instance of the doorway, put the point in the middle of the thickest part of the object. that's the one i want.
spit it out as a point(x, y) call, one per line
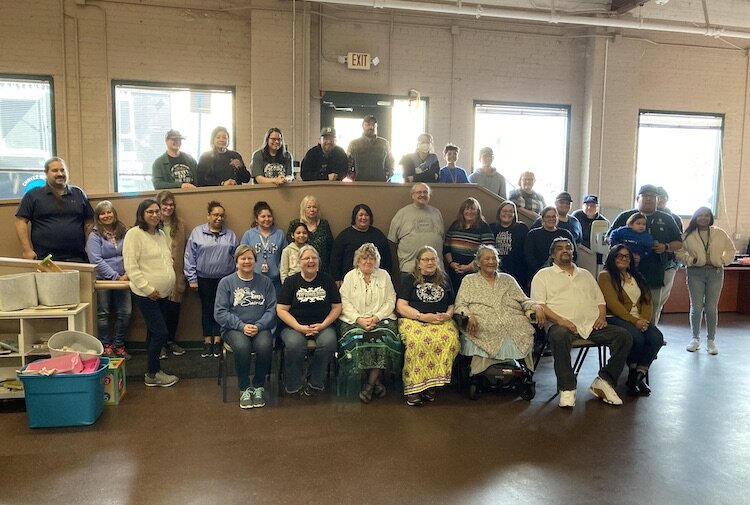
point(399, 120)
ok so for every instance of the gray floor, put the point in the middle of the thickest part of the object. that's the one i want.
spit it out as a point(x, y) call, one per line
point(686, 444)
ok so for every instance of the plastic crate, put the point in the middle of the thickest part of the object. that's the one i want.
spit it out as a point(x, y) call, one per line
point(66, 399)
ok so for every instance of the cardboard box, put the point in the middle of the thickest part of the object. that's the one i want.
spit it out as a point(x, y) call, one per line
point(114, 382)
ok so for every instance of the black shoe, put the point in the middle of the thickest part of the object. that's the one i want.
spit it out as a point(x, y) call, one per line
point(217, 349)
point(428, 395)
point(207, 350)
point(163, 353)
point(631, 382)
point(414, 400)
point(640, 384)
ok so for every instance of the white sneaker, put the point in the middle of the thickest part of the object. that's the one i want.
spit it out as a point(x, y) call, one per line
point(694, 345)
point(711, 348)
point(567, 398)
point(602, 390)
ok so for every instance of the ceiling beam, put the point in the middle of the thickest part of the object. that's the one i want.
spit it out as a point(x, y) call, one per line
point(623, 6)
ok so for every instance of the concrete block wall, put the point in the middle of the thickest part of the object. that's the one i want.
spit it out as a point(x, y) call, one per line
point(249, 45)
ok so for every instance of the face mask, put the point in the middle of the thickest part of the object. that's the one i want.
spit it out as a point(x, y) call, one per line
point(423, 148)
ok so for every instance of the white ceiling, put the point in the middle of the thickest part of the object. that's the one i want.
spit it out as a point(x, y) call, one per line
point(726, 18)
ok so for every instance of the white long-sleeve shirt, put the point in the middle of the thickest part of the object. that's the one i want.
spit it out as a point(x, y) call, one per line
point(358, 299)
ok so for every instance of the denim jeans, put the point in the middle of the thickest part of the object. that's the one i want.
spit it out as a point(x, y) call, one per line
point(646, 344)
point(242, 347)
point(617, 339)
point(207, 293)
point(295, 347)
point(118, 302)
point(155, 315)
point(704, 286)
point(173, 319)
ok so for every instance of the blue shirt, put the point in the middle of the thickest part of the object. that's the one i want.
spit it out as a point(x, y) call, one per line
point(453, 175)
point(209, 255)
point(240, 302)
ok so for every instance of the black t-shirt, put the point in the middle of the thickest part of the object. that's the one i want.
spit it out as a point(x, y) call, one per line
point(428, 298)
point(427, 170)
point(310, 302)
point(180, 170)
point(316, 165)
point(509, 243)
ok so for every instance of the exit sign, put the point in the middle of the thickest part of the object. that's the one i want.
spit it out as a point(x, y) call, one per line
point(358, 61)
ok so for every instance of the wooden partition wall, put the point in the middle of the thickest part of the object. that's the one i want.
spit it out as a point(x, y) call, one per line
point(336, 201)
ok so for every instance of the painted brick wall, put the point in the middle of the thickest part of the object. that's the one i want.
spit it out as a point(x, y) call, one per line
point(249, 45)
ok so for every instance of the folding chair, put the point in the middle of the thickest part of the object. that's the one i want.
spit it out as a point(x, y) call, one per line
point(583, 345)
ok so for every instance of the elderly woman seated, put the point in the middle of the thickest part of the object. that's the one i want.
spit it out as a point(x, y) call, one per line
point(368, 334)
point(498, 328)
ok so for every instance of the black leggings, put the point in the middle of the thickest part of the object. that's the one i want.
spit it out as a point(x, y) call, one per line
point(207, 293)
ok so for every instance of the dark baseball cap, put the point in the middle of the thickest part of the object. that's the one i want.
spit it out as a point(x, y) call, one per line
point(328, 130)
point(591, 199)
point(648, 189)
point(173, 134)
point(564, 197)
point(370, 119)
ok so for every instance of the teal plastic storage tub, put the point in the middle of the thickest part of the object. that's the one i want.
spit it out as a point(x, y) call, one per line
point(66, 399)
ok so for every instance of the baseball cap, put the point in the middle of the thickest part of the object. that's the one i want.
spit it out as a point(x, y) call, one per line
point(648, 188)
point(370, 119)
point(173, 134)
point(328, 130)
point(660, 191)
point(591, 199)
point(564, 197)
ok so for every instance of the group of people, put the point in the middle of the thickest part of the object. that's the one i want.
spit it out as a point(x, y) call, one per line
point(367, 158)
point(321, 294)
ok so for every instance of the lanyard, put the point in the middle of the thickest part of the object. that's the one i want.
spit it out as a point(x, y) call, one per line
point(706, 243)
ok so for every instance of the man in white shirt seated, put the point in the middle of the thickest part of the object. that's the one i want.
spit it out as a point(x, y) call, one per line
point(574, 308)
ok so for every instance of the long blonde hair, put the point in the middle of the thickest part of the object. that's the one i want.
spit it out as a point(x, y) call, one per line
point(440, 277)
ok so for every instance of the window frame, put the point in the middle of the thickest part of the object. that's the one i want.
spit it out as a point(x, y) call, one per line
point(568, 108)
point(719, 155)
point(115, 83)
point(50, 80)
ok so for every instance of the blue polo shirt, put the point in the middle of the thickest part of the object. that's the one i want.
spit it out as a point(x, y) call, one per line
point(57, 225)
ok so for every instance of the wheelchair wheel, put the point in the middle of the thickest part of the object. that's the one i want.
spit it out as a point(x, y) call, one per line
point(528, 391)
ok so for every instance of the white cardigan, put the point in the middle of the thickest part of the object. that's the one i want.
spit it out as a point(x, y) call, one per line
point(148, 262)
point(720, 247)
point(379, 300)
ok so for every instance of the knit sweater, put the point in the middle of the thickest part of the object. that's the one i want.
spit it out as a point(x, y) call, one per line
point(148, 262)
point(617, 308)
point(721, 249)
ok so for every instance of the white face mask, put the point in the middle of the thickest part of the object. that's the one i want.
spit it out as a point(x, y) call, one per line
point(423, 147)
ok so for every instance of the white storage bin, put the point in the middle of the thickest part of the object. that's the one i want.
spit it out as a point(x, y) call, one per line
point(18, 291)
point(58, 288)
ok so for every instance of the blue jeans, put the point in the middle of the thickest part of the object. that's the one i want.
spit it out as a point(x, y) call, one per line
point(242, 347)
point(646, 344)
point(117, 301)
point(173, 319)
point(155, 315)
point(704, 286)
point(295, 347)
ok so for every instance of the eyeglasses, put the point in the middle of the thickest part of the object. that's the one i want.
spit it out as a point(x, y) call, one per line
point(428, 260)
point(274, 139)
point(153, 212)
point(167, 205)
point(218, 215)
point(623, 257)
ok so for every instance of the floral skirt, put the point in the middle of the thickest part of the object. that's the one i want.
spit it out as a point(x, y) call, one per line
point(429, 351)
point(360, 350)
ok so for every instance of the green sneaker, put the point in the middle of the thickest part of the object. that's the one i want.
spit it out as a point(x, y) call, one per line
point(160, 379)
point(258, 398)
point(246, 399)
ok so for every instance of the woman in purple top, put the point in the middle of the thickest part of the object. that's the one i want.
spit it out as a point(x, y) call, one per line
point(104, 249)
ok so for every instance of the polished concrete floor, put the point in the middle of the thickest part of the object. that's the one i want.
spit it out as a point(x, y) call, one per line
point(689, 443)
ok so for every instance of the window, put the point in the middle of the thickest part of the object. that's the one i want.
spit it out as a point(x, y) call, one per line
point(145, 112)
point(26, 132)
point(524, 138)
point(682, 152)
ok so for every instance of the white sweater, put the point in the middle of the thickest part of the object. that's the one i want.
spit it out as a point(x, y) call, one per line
point(357, 300)
point(720, 248)
point(148, 262)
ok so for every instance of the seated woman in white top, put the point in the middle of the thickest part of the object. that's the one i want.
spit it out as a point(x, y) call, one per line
point(368, 333)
